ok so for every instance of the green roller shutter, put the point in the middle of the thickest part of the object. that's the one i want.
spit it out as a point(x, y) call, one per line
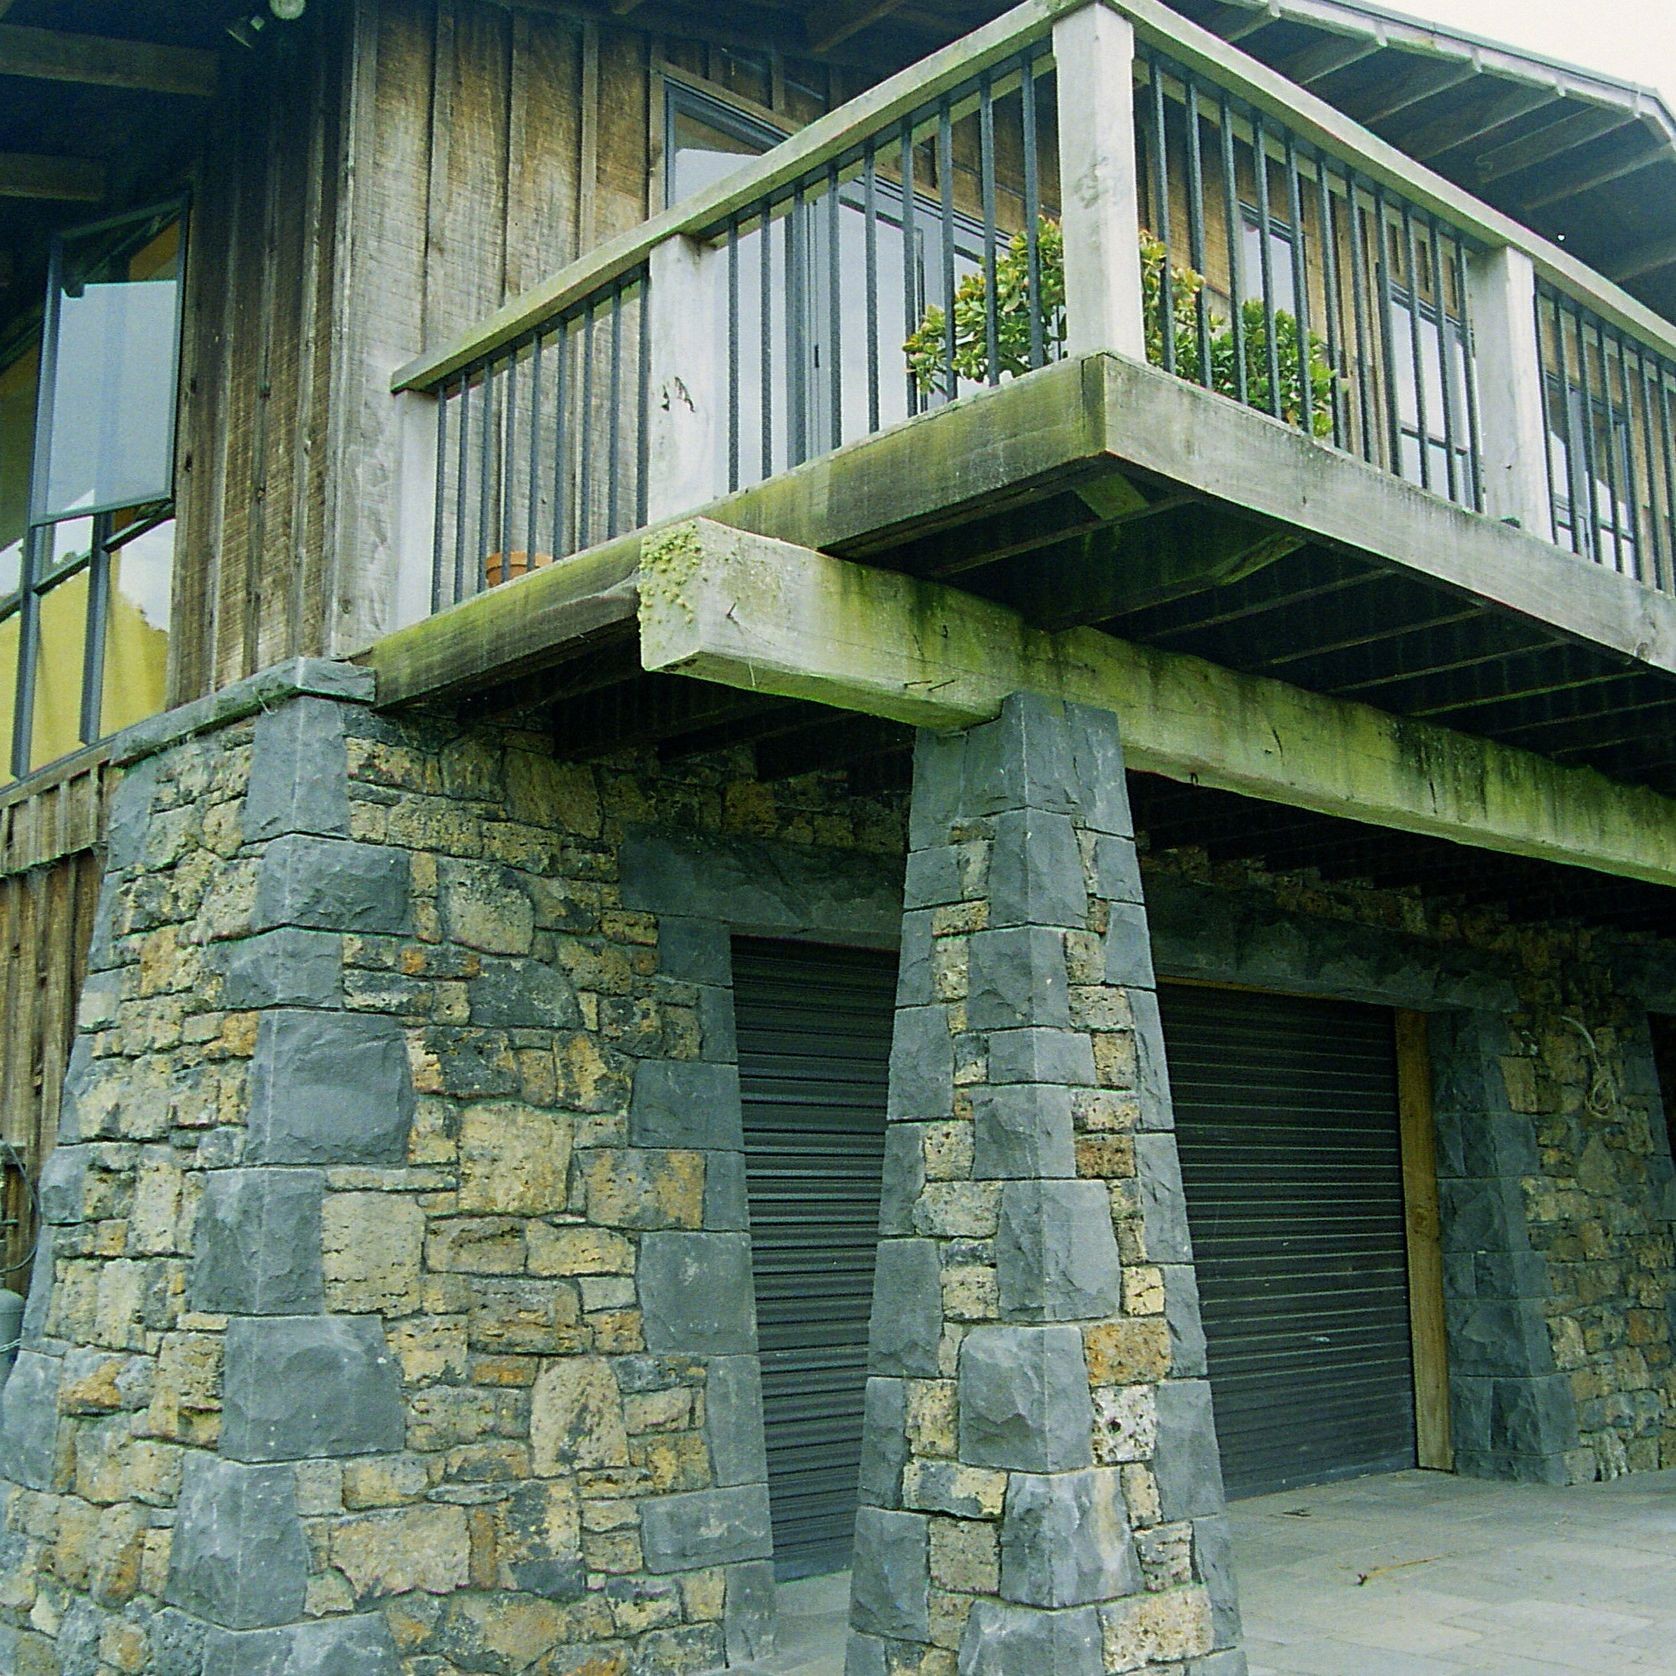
point(1287, 1121)
point(814, 1049)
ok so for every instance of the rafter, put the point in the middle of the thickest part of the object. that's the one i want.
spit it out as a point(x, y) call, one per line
point(1431, 139)
point(1404, 92)
point(100, 61)
point(1643, 259)
point(1555, 189)
point(70, 180)
point(837, 23)
point(1327, 58)
point(1578, 128)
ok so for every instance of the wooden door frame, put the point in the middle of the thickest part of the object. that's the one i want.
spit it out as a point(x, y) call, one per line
point(1434, 1447)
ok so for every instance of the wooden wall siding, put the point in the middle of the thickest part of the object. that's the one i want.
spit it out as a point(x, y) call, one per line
point(253, 461)
point(488, 146)
point(46, 925)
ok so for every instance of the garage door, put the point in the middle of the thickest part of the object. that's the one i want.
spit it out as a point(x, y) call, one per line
point(814, 1051)
point(1287, 1120)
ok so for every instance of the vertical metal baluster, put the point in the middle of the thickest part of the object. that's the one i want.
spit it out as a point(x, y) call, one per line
point(439, 508)
point(765, 371)
point(1668, 453)
point(733, 354)
point(834, 310)
point(1393, 412)
point(1417, 359)
point(585, 520)
point(797, 314)
point(1271, 341)
point(1161, 212)
point(1615, 501)
point(28, 651)
point(1655, 531)
point(508, 441)
point(1469, 376)
point(1590, 477)
point(910, 257)
point(1361, 314)
point(477, 578)
point(642, 402)
point(532, 527)
point(1196, 227)
point(93, 643)
point(561, 444)
point(614, 403)
point(870, 220)
point(1300, 286)
point(1231, 209)
point(945, 194)
point(1577, 496)
point(462, 488)
point(1330, 287)
point(1032, 212)
point(986, 185)
point(1445, 358)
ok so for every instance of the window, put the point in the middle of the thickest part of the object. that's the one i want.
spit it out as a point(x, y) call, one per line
point(1282, 243)
point(1591, 464)
point(87, 430)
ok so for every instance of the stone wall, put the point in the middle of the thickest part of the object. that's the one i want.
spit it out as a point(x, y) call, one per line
point(395, 1309)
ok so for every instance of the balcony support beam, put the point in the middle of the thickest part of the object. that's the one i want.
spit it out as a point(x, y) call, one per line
point(770, 617)
point(1094, 56)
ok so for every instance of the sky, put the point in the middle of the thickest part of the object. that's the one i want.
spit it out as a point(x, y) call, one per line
point(1633, 39)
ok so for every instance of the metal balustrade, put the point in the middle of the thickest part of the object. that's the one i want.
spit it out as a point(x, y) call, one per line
point(1609, 451)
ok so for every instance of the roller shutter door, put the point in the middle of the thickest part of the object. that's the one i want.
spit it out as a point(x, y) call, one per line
point(1287, 1121)
point(814, 1049)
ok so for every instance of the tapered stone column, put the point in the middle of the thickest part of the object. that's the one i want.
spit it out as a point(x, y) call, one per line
point(1040, 1481)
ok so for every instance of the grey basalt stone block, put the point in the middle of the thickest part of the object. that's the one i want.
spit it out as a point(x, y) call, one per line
point(1035, 871)
point(1213, 1565)
point(939, 785)
point(914, 987)
point(130, 816)
point(1181, 1314)
point(686, 1103)
point(704, 1528)
point(299, 772)
point(329, 1088)
point(1117, 871)
point(1187, 1464)
point(1024, 1402)
point(29, 1421)
point(257, 1244)
point(309, 1387)
point(907, 1320)
point(352, 1646)
point(904, 1177)
point(1037, 1055)
point(933, 877)
point(726, 1202)
point(175, 1642)
point(1056, 1253)
point(40, 1286)
point(1163, 1201)
point(1097, 756)
point(890, 1579)
point(62, 1187)
point(921, 1064)
point(696, 1294)
point(514, 993)
point(288, 967)
point(1023, 1131)
point(884, 1442)
point(1231, 1661)
point(1017, 977)
point(238, 1557)
point(748, 1612)
point(1065, 1539)
point(1023, 759)
point(1152, 1078)
point(1128, 946)
point(865, 1655)
point(333, 884)
point(695, 950)
point(733, 1421)
point(1003, 1639)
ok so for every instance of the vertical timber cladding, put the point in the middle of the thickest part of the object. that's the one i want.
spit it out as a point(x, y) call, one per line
point(1287, 1118)
point(814, 1028)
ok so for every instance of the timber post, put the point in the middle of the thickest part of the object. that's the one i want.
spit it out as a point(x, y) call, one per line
point(687, 412)
point(1513, 416)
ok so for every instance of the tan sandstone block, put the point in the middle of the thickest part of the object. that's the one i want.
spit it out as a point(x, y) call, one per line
point(417, 1548)
point(372, 1247)
point(576, 1417)
point(514, 1160)
point(1160, 1628)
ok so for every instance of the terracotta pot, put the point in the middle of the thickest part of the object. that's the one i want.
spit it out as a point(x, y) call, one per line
point(498, 567)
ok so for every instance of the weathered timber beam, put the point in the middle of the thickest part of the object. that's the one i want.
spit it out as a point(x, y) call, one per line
point(1643, 259)
point(769, 617)
point(1414, 88)
point(1555, 188)
point(1432, 139)
point(98, 61)
point(835, 24)
point(1327, 58)
point(71, 180)
point(1575, 129)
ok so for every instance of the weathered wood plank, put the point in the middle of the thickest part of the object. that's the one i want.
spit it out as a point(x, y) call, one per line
point(770, 617)
point(76, 180)
point(1423, 1219)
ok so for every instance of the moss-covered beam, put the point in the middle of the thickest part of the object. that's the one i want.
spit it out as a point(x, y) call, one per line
point(770, 617)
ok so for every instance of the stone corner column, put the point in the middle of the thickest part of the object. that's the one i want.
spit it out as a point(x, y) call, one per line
point(1041, 1489)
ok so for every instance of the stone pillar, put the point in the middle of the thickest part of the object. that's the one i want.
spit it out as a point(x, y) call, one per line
point(1041, 1489)
point(1512, 1410)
